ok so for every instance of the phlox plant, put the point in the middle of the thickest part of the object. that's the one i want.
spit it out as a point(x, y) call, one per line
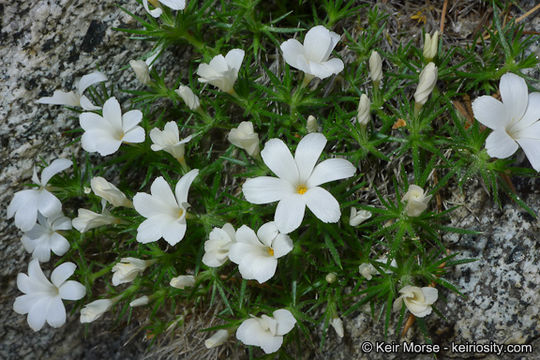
point(291, 174)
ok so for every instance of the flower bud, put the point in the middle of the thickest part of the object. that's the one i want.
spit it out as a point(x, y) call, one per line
point(217, 339)
point(358, 217)
point(416, 201)
point(337, 324)
point(127, 270)
point(428, 79)
point(109, 192)
point(431, 44)
point(311, 124)
point(141, 301)
point(87, 190)
point(375, 67)
point(367, 270)
point(331, 278)
point(245, 138)
point(141, 71)
point(364, 110)
point(191, 100)
point(182, 281)
point(95, 309)
point(87, 220)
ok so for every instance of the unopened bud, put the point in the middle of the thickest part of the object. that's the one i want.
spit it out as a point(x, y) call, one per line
point(331, 278)
point(141, 71)
point(364, 110)
point(311, 124)
point(428, 79)
point(431, 44)
point(375, 67)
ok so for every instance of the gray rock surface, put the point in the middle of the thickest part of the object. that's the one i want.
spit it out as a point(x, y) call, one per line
point(47, 44)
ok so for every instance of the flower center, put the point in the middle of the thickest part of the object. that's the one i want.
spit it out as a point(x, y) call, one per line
point(180, 212)
point(119, 135)
point(270, 251)
point(301, 189)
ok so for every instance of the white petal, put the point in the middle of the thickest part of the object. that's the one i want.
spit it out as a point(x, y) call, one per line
point(234, 58)
point(290, 213)
point(271, 344)
point(250, 332)
point(334, 66)
point(514, 94)
point(62, 273)
point(174, 4)
point(282, 245)
point(42, 252)
point(293, 53)
point(322, 204)
point(36, 274)
point(266, 189)
point(38, 314)
point(260, 268)
point(86, 104)
point(48, 204)
point(319, 70)
point(431, 294)
point(89, 80)
point(307, 153)
point(318, 44)
point(91, 121)
point(148, 205)
point(54, 168)
point(531, 147)
point(131, 119)
point(155, 13)
point(331, 170)
point(246, 235)
point(490, 112)
point(267, 233)
point(285, 320)
point(23, 283)
point(24, 206)
point(279, 159)
point(72, 290)
point(500, 145)
point(61, 98)
point(134, 136)
point(174, 232)
point(112, 113)
point(239, 251)
point(24, 303)
point(532, 114)
point(100, 141)
point(161, 190)
point(56, 313)
point(150, 230)
point(183, 185)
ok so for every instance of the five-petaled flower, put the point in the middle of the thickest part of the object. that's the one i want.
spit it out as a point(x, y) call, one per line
point(222, 71)
point(127, 269)
point(257, 254)
point(26, 203)
point(169, 141)
point(165, 211)
point(265, 331)
point(76, 98)
point(416, 200)
point(418, 300)
point(104, 134)
point(514, 121)
point(44, 237)
point(312, 57)
point(42, 300)
point(216, 248)
point(297, 184)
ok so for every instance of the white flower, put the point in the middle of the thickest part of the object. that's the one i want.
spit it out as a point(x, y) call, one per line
point(26, 203)
point(364, 110)
point(76, 98)
point(311, 124)
point(43, 300)
point(92, 311)
point(222, 72)
point(375, 67)
point(257, 254)
point(127, 270)
point(216, 248)
point(44, 237)
point(297, 185)
point(418, 300)
point(416, 200)
point(104, 134)
point(109, 192)
point(168, 140)
point(173, 4)
point(182, 281)
point(88, 220)
point(245, 138)
point(165, 211)
point(337, 324)
point(431, 44)
point(367, 270)
point(140, 301)
point(358, 217)
point(426, 83)
point(312, 57)
point(217, 339)
point(265, 331)
point(513, 121)
point(191, 100)
point(142, 71)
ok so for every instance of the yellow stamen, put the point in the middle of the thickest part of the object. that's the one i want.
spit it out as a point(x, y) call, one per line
point(180, 212)
point(270, 251)
point(154, 2)
point(301, 189)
